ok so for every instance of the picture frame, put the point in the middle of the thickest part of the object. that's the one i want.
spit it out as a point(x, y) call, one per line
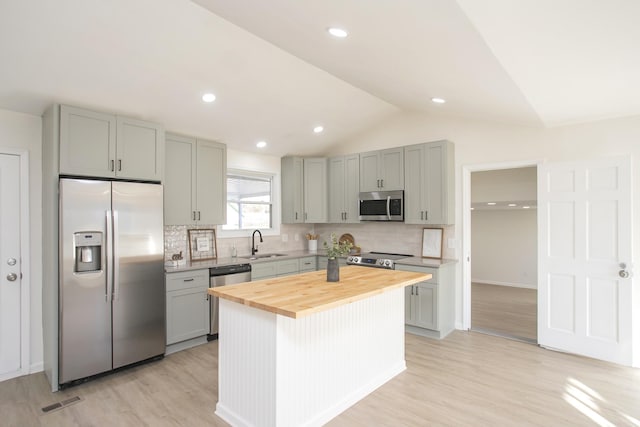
point(432, 242)
point(202, 244)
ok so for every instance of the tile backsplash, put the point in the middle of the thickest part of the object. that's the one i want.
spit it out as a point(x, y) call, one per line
point(370, 236)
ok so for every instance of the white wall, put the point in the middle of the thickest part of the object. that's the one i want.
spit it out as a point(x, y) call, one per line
point(482, 142)
point(23, 131)
point(503, 247)
point(504, 185)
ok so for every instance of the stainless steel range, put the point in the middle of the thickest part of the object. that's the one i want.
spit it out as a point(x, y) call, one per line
point(376, 259)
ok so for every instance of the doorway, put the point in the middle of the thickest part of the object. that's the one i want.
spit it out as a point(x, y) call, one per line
point(500, 285)
point(14, 292)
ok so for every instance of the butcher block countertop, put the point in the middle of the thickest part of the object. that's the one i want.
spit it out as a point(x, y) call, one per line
point(307, 293)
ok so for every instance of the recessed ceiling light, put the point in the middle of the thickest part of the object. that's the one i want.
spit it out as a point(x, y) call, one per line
point(208, 97)
point(261, 144)
point(526, 207)
point(318, 129)
point(337, 32)
point(512, 204)
point(491, 203)
point(438, 100)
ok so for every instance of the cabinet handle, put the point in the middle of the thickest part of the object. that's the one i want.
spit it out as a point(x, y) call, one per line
point(422, 215)
point(378, 183)
point(119, 165)
point(305, 216)
point(426, 215)
point(206, 296)
point(382, 183)
point(112, 166)
point(193, 215)
point(198, 215)
point(188, 280)
point(417, 290)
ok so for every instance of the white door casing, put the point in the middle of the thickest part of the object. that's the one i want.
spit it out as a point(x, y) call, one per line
point(14, 293)
point(584, 226)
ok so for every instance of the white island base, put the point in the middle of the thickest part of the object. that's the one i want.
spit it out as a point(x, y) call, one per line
point(274, 370)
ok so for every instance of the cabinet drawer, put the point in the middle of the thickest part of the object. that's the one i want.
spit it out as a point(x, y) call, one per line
point(417, 269)
point(307, 263)
point(288, 266)
point(263, 270)
point(187, 279)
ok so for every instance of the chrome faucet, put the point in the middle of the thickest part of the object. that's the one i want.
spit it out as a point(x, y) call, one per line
point(253, 242)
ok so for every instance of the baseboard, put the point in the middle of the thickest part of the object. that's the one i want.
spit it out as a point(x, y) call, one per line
point(36, 367)
point(510, 284)
point(183, 345)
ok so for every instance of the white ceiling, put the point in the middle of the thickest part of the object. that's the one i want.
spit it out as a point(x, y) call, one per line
point(277, 73)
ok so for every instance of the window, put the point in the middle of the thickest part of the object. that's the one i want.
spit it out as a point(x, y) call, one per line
point(249, 201)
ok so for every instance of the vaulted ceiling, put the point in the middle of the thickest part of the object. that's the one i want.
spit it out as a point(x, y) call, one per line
point(277, 73)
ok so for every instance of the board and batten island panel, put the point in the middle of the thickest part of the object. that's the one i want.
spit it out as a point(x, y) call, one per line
point(340, 342)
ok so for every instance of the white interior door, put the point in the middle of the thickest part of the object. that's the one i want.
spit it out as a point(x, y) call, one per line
point(10, 277)
point(584, 225)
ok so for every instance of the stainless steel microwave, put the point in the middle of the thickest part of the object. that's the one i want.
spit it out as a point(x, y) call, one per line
point(382, 206)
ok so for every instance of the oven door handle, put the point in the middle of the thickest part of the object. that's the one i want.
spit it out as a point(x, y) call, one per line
point(389, 207)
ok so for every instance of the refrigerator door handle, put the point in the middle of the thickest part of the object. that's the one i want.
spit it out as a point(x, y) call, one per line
point(109, 256)
point(116, 258)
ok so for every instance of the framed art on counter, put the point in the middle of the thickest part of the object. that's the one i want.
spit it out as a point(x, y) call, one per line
point(432, 243)
point(202, 244)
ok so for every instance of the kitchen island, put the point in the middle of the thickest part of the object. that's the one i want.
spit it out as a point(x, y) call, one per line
point(299, 350)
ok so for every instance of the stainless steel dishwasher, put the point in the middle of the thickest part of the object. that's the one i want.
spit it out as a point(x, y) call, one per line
point(220, 276)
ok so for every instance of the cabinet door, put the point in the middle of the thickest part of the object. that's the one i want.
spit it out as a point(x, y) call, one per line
point(179, 180)
point(336, 189)
point(211, 182)
point(426, 298)
point(287, 267)
point(315, 190)
point(438, 183)
point(392, 169)
point(139, 149)
point(414, 211)
point(263, 270)
point(291, 185)
point(408, 305)
point(308, 264)
point(87, 142)
point(187, 314)
point(352, 188)
point(369, 179)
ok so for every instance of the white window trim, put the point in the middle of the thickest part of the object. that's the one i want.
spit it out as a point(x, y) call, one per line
point(275, 205)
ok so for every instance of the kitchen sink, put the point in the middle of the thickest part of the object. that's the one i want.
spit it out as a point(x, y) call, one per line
point(262, 256)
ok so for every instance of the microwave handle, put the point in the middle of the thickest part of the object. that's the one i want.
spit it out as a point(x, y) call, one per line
point(389, 207)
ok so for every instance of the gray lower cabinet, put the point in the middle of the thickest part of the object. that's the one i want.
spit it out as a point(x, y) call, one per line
point(187, 305)
point(308, 264)
point(106, 145)
point(430, 305)
point(270, 269)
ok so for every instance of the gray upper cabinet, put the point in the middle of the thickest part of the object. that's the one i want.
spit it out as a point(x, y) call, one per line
point(304, 190)
point(429, 183)
point(315, 190)
point(344, 186)
point(105, 145)
point(291, 183)
point(195, 181)
point(382, 170)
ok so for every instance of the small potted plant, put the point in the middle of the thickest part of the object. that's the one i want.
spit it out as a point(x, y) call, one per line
point(334, 250)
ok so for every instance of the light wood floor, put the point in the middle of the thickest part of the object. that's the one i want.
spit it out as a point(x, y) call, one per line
point(505, 310)
point(467, 379)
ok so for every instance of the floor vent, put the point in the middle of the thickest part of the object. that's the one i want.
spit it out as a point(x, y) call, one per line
point(61, 404)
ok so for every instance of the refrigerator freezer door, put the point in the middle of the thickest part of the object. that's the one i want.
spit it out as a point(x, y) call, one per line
point(85, 307)
point(139, 291)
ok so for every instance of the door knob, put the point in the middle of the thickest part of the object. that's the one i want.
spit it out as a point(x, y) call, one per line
point(624, 274)
point(12, 277)
point(11, 261)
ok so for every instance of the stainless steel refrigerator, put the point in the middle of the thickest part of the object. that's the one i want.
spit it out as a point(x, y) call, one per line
point(112, 292)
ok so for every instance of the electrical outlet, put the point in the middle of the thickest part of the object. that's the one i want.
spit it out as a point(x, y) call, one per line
point(296, 237)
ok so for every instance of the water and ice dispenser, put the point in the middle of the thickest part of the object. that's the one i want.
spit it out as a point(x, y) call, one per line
point(88, 246)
